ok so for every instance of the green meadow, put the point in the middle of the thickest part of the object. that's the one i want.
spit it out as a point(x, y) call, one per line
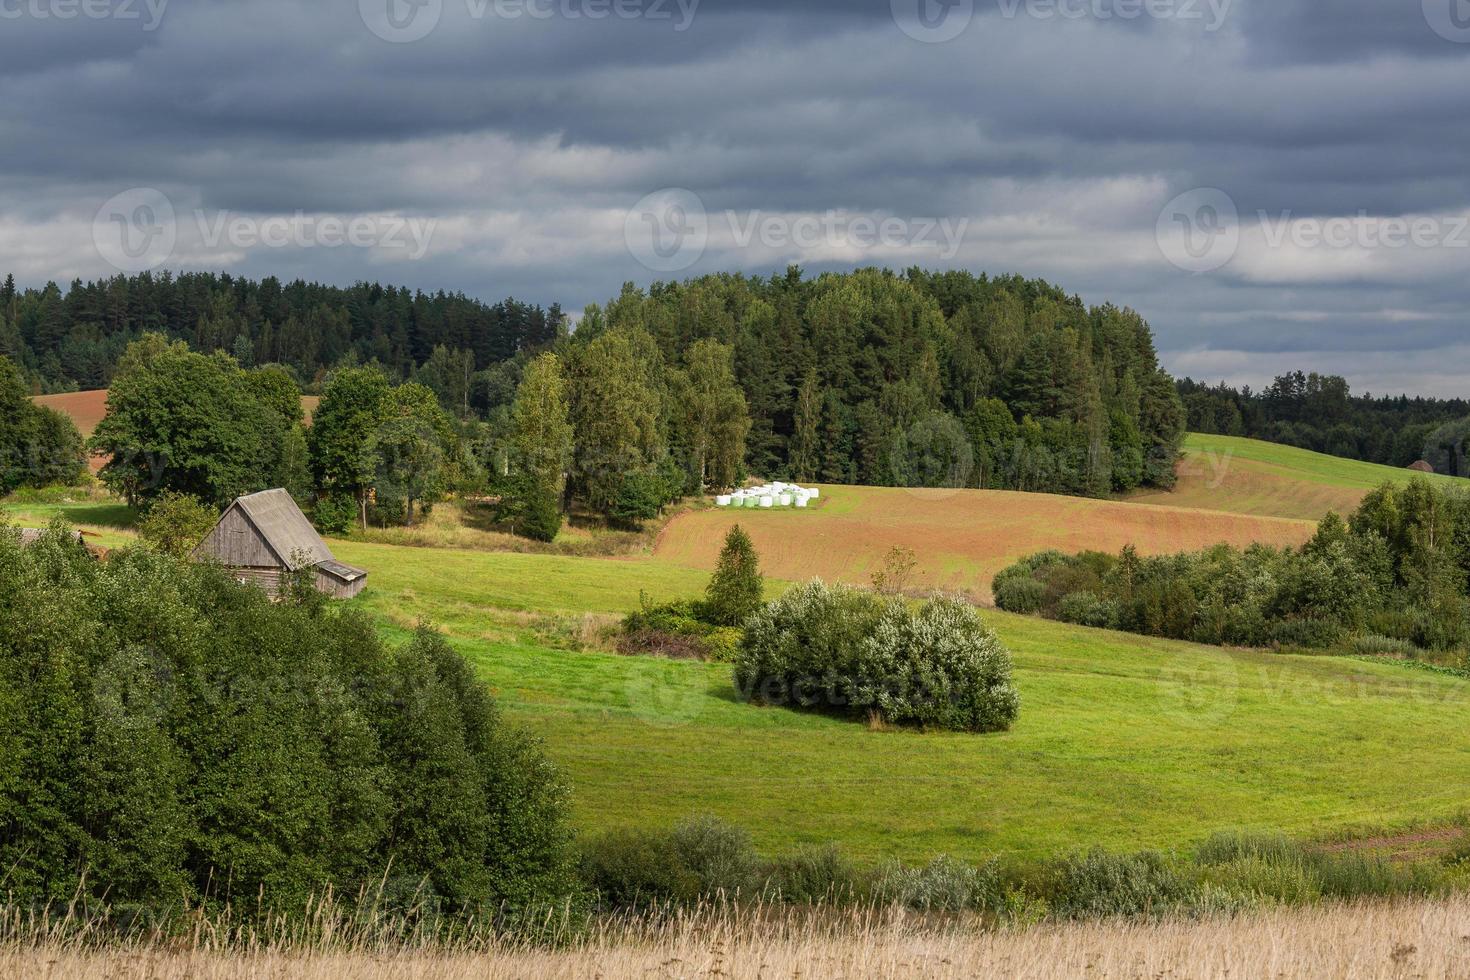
point(1122, 741)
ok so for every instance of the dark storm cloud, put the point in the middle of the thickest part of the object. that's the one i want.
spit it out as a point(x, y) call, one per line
point(1057, 129)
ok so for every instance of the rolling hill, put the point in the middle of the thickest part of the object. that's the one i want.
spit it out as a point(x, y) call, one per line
point(1247, 476)
point(1123, 741)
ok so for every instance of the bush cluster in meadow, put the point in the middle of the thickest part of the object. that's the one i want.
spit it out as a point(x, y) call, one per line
point(853, 652)
point(708, 628)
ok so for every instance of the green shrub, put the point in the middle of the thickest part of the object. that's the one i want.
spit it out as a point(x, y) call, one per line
point(1259, 879)
point(1086, 609)
point(719, 855)
point(335, 514)
point(1315, 634)
point(175, 522)
point(722, 644)
point(1285, 871)
point(631, 869)
point(1349, 874)
point(804, 649)
point(937, 666)
point(679, 630)
point(1235, 845)
point(815, 876)
point(1376, 645)
point(1022, 595)
point(842, 650)
point(702, 857)
point(1099, 884)
point(943, 885)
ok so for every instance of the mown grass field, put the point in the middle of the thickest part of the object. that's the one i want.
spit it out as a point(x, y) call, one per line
point(1123, 742)
point(1247, 476)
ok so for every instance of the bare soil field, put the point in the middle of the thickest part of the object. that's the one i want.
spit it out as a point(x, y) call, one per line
point(1415, 939)
point(961, 538)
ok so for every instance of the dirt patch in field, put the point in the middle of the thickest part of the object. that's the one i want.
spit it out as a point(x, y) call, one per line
point(1410, 845)
point(960, 538)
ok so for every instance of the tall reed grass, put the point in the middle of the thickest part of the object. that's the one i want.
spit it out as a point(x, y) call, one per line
point(1419, 938)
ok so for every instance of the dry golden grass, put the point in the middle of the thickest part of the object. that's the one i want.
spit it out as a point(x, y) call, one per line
point(1414, 939)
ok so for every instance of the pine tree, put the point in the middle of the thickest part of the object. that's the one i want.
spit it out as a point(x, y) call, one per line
point(737, 589)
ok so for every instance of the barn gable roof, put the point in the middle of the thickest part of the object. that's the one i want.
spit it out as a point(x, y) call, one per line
point(281, 526)
point(285, 529)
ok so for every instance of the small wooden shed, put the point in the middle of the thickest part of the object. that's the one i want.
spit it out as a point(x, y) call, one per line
point(264, 537)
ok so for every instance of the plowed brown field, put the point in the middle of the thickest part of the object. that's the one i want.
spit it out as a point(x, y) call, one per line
point(960, 538)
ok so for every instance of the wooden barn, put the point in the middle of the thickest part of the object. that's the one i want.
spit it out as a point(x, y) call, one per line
point(264, 537)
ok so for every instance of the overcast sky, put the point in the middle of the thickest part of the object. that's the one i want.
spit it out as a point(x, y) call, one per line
point(1273, 183)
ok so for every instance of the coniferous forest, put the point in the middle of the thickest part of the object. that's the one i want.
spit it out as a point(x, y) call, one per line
point(872, 377)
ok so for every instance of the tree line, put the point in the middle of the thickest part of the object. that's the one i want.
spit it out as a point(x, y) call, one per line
point(1320, 413)
point(171, 739)
point(1394, 578)
point(870, 377)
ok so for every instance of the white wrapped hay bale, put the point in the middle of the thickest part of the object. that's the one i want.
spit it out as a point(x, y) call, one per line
point(723, 500)
point(767, 502)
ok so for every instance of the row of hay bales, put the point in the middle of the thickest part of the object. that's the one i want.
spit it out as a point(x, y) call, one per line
point(770, 496)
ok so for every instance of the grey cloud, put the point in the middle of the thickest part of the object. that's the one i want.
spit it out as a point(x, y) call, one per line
point(1058, 139)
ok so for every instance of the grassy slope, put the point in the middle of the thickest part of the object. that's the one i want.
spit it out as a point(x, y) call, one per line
point(1122, 741)
point(1247, 476)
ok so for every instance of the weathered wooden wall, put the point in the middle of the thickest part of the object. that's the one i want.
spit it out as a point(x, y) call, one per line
point(235, 542)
